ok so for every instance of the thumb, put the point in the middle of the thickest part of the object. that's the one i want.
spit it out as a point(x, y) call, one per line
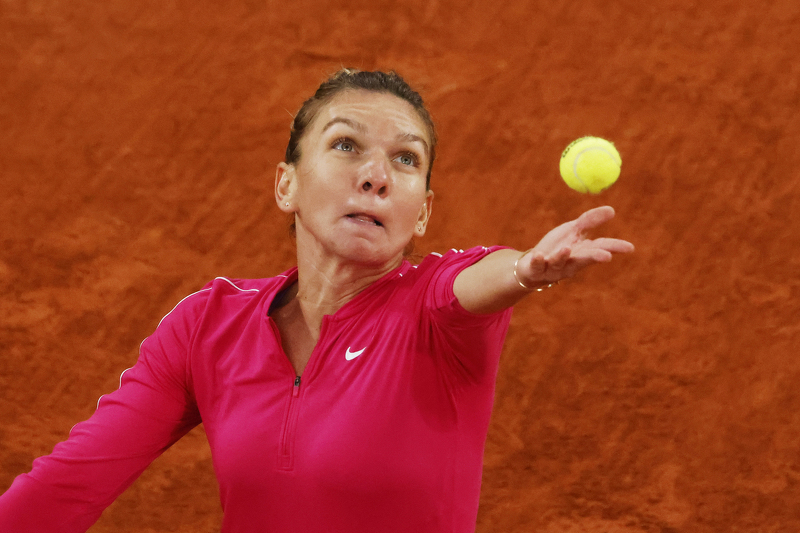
point(536, 266)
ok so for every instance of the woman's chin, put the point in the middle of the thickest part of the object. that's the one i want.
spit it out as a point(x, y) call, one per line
point(354, 245)
point(368, 254)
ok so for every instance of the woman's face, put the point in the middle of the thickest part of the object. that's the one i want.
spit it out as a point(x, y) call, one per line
point(358, 191)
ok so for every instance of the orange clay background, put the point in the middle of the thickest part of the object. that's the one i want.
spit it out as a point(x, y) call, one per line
point(659, 393)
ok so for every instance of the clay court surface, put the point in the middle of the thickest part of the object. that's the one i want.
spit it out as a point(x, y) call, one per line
point(138, 142)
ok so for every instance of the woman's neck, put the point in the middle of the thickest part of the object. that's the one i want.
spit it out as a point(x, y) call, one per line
point(325, 285)
point(321, 289)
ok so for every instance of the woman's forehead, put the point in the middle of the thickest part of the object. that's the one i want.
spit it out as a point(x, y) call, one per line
point(364, 110)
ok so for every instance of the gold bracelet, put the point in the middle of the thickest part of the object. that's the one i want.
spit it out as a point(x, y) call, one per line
point(537, 289)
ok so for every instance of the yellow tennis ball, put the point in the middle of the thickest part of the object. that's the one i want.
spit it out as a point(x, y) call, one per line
point(590, 164)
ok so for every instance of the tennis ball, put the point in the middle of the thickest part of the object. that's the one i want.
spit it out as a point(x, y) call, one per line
point(590, 164)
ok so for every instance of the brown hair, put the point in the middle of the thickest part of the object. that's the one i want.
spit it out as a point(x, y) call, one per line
point(346, 79)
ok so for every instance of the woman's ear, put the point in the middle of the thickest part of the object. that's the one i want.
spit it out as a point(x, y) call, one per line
point(285, 176)
point(424, 215)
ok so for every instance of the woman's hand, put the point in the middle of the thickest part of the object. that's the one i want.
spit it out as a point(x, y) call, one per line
point(504, 277)
point(565, 250)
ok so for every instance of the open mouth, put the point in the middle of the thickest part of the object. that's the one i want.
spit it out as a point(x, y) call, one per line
point(363, 217)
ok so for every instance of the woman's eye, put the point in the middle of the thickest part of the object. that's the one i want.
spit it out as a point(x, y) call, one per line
point(344, 146)
point(407, 159)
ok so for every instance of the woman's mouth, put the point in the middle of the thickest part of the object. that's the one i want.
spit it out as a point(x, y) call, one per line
point(364, 218)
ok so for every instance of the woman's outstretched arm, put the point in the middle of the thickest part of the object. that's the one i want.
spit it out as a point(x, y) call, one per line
point(503, 278)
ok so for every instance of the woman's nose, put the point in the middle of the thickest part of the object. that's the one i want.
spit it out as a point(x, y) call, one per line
point(368, 186)
point(375, 177)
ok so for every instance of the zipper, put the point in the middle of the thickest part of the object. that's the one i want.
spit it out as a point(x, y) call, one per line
point(289, 432)
point(285, 455)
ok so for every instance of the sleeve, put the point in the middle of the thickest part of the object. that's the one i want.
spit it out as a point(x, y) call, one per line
point(67, 490)
point(473, 341)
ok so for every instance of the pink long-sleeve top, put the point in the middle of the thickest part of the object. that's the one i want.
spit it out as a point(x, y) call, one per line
point(384, 431)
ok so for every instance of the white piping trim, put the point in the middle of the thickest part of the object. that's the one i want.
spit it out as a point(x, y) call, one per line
point(104, 395)
point(235, 287)
point(159, 323)
point(176, 306)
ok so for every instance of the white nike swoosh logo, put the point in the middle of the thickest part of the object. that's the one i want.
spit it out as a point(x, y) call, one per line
point(352, 355)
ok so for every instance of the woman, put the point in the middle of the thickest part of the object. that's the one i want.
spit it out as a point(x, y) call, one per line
point(351, 393)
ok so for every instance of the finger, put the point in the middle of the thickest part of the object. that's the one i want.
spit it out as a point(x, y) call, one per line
point(585, 258)
point(538, 265)
point(601, 256)
point(595, 217)
point(613, 245)
point(558, 259)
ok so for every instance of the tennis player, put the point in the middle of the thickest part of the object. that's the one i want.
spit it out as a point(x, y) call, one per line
point(351, 392)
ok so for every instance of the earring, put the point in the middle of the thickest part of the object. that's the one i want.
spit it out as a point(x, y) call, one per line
point(287, 204)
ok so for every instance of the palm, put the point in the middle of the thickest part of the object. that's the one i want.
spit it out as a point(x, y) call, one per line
point(565, 250)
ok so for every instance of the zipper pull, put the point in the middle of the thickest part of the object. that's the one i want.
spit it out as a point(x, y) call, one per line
point(296, 390)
